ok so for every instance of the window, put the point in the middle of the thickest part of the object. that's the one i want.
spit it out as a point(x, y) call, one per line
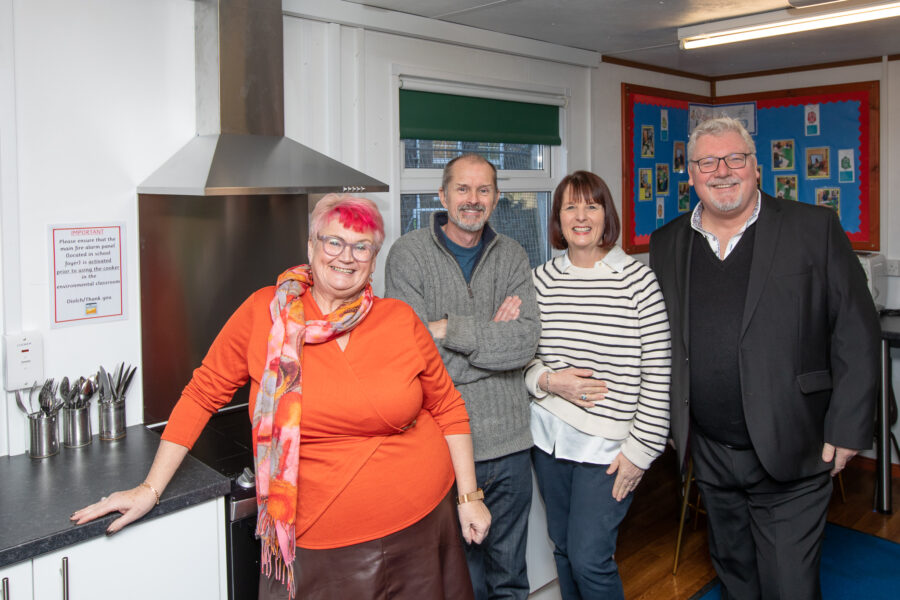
point(521, 215)
point(519, 147)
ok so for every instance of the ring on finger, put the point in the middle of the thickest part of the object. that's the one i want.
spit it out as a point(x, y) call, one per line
point(583, 397)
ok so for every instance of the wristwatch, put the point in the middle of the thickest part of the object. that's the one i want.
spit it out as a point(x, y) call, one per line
point(476, 495)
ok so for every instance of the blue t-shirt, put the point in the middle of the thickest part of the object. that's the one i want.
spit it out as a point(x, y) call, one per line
point(466, 257)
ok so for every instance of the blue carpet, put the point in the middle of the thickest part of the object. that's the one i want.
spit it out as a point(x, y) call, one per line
point(854, 565)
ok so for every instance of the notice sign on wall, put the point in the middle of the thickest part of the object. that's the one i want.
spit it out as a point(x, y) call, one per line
point(88, 275)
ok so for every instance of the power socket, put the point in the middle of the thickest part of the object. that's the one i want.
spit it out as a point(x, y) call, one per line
point(24, 360)
point(893, 268)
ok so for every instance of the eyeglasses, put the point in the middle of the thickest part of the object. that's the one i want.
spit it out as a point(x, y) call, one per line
point(334, 246)
point(708, 164)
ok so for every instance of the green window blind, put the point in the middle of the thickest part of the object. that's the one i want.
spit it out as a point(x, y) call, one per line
point(431, 116)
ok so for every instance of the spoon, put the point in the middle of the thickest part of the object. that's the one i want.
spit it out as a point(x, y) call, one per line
point(64, 390)
point(87, 391)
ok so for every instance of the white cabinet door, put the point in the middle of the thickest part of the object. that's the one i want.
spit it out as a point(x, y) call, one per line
point(175, 556)
point(15, 581)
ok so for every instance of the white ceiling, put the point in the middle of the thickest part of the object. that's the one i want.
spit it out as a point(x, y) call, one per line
point(645, 31)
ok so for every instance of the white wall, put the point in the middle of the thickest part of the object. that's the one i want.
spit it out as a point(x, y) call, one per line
point(100, 94)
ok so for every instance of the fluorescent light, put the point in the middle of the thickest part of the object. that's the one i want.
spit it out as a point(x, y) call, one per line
point(780, 23)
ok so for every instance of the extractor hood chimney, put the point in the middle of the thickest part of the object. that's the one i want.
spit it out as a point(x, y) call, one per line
point(240, 148)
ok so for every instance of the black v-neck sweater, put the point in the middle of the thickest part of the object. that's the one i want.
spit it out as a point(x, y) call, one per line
point(718, 289)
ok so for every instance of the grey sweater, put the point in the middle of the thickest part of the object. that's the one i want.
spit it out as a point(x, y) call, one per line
point(484, 358)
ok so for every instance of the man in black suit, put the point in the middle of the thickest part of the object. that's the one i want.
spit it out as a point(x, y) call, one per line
point(774, 364)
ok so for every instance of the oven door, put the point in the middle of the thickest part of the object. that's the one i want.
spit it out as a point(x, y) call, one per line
point(243, 548)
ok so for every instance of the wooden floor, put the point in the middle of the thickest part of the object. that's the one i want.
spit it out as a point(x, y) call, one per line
point(647, 537)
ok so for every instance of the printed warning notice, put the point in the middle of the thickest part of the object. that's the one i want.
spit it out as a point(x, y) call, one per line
point(88, 274)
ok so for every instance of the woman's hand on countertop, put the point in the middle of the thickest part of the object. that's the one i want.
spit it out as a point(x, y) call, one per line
point(578, 387)
point(133, 504)
point(475, 520)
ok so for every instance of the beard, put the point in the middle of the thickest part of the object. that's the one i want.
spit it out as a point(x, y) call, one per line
point(471, 227)
point(725, 204)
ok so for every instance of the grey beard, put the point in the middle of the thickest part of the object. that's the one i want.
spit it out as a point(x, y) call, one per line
point(470, 227)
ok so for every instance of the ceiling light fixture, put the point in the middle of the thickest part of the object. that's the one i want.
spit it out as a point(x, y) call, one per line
point(780, 22)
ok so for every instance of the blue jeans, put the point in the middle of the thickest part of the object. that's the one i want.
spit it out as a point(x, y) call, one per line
point(497, 565)
point(583, 521)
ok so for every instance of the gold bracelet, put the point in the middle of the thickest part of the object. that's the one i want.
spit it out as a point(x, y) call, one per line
point(470, 497)
point(548, 383)
point(152, 489)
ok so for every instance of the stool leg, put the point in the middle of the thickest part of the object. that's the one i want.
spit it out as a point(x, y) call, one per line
point(697, 510)
point(684, 506)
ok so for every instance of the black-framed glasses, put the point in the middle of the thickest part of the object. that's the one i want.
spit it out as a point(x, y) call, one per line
point(334, 246)
point(708, 164)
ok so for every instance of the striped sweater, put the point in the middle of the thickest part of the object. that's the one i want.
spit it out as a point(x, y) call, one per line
point(611, 319)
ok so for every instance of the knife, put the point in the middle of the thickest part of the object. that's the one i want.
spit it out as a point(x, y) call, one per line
point(104, 384)
point(126, 381)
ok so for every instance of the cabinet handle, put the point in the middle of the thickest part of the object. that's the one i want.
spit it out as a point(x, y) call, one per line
point(65, 577)
point(6, 588)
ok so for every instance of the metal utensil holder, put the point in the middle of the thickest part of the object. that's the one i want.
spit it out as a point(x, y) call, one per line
point(112, 420)
point(44, 431)
point(76, 427)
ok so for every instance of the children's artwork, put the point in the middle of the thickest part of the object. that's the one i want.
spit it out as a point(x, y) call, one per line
point(664, 125)
point(646, 184)
point(812, 119)
point(846, 168)
point(783, 155)
point(678, 162)
point(817, 165)
point(786, 187)
point(684, 196)
point(660, 211)
point(745, 112)
point(647, 141)
point(662, 178)
point(830, 197)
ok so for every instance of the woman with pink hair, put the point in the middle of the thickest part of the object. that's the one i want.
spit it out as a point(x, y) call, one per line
point(358, 431)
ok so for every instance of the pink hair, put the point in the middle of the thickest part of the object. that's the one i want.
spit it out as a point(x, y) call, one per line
point(359, 214)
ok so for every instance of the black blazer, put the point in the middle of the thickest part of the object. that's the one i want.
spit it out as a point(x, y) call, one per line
point(809, 349)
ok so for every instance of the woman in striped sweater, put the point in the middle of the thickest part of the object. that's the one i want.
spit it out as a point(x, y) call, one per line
point(600, 384)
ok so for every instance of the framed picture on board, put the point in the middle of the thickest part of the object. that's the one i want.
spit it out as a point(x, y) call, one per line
point(646, 185)
point(830, 197)
point(647, 150)
point(817, 163)
point(678, 161)
point(783, 155)
point(786, 187)
point(662, 178)
point(684, 196)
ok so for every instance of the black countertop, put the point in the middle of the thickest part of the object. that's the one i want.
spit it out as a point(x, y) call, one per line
point(38, 496)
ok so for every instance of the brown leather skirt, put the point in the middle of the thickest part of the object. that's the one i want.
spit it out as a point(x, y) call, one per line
point(425, 560)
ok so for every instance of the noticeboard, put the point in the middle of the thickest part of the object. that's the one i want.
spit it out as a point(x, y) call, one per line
point(815, 145)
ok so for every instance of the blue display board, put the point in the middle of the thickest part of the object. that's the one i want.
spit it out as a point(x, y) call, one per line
point(818, 145)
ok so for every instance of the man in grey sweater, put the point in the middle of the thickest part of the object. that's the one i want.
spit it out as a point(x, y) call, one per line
point(472, 287)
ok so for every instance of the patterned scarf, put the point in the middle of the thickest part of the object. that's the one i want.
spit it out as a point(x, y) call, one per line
point(276, 416)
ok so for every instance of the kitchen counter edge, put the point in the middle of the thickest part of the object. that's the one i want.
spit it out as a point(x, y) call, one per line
point(38, 496)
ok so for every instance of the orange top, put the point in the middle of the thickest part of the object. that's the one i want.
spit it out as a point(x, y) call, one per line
point(362, 475)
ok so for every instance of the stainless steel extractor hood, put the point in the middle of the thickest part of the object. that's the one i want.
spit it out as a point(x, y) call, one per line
point(240, 147)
